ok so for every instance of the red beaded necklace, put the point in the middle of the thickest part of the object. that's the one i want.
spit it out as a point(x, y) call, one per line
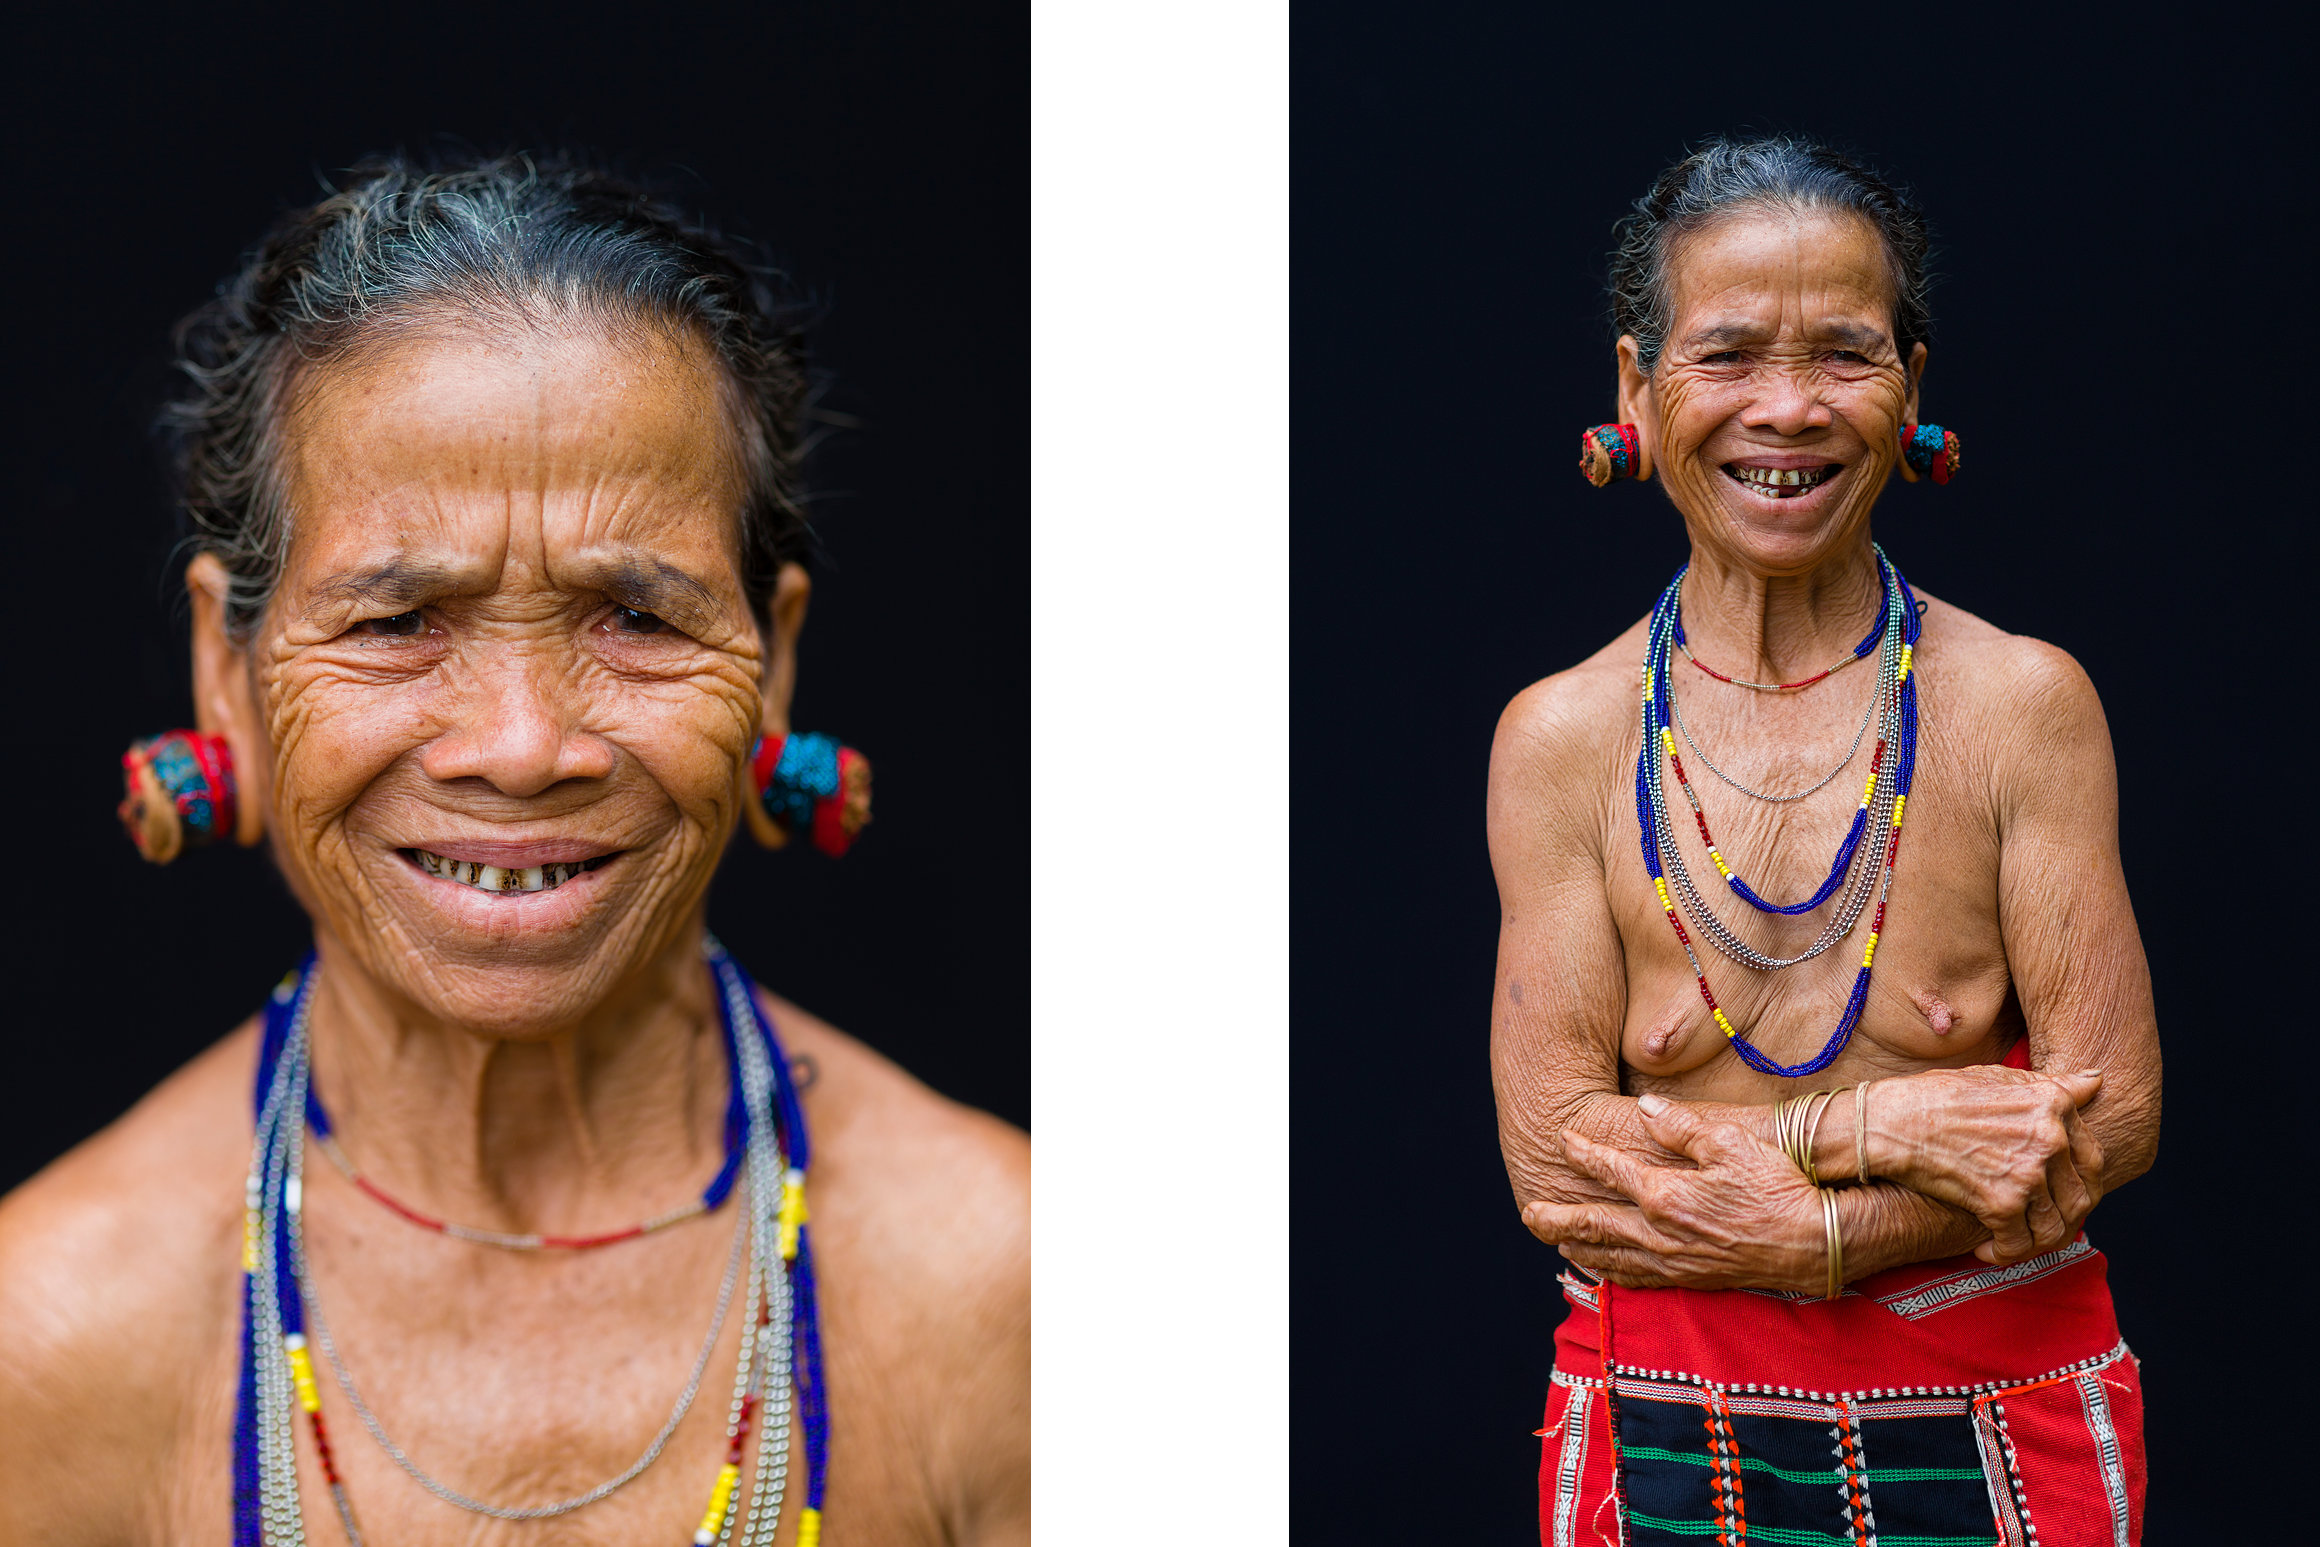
point(1765, 687)
point(519, 1243)
point(802, 1071)
point(1869, 642)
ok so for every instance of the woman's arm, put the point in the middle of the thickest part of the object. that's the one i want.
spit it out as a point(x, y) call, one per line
point(2006, 1144)
point(2069, 928)
point(1556, 1019)
point(1978, 1151)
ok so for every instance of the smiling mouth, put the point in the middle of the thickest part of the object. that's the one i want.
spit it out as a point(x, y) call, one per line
point(502, 878)
point(1781, 483)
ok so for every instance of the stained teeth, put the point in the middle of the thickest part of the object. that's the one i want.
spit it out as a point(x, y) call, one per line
point(495, 878)
point(1782, 482)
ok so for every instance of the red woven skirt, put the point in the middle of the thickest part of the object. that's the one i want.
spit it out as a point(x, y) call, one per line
point(1948, 1404)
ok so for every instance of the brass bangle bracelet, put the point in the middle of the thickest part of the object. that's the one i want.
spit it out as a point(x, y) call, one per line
point(1836, 1243)
point(1861, 1127)
point(1785, 1111)
point(1796, 1124)
point(1812, 1133)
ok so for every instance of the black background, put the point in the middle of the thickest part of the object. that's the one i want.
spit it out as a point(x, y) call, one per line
point(878, 152)
point(2121, 338)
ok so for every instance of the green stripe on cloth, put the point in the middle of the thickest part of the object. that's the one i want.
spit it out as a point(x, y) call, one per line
point(1877, 1474)
point(1783, 1536)
point(1826, 1475)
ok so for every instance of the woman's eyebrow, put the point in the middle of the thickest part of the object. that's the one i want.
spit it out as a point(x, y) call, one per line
point(651, 585)
point(1725, 334)
point(1851, 335)
point(399, 582)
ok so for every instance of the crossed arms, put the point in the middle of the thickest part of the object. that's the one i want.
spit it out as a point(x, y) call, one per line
point(2004, 1162)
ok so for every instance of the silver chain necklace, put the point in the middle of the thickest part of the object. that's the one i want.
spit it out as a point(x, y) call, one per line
point(451, 1495)
point(1861, 882)
point(763, 1370)
point(1676, 710)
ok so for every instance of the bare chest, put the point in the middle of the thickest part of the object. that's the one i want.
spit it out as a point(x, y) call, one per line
point(1938, 989)
point(521, 1380)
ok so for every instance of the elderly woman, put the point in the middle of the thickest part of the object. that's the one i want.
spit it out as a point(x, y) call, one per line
point(492, 1227)
point(1818, 1126)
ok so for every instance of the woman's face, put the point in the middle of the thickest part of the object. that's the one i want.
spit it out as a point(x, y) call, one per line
point(1773, 410)
point(499, 705)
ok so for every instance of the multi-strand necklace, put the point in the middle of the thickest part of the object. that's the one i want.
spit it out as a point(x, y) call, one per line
point(765, 1164)
point(1862, 868)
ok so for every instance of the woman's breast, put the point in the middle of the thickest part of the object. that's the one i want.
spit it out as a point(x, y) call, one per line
point(1939, 991)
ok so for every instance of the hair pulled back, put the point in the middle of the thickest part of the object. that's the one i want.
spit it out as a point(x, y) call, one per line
point(500, 240)
point(1781, 173)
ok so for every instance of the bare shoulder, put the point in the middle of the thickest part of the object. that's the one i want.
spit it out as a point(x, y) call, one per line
point(922, 1220)
point(2030, 692)
point(117, 1272)
point(1553, 736)
point(946, 1188)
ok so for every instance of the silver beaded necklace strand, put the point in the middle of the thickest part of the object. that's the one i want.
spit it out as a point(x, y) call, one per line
point(1861, 880)
point(762, 1376)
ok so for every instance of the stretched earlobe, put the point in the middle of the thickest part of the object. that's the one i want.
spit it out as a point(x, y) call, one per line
point(808, 783)
point(1930, 450)
point(1610, 452)
point(180, 794)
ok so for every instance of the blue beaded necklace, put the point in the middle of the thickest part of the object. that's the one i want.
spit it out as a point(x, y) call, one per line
point(1875, 830)
point(276, 1375)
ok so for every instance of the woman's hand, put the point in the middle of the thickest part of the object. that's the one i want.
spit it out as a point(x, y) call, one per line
point(2005, 1145)
point(1746, 1217)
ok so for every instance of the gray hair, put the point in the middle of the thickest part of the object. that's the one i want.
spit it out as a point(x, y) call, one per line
point(507, 241)
point(1726, 177)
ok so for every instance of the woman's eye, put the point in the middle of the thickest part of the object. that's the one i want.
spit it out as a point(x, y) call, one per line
point(403, 625)
point(1849, 358)
point(635, 620)
point(1723, 357)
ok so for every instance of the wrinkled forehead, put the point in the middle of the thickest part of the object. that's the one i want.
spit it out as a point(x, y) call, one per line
point(1812, 270)
point(515, 457)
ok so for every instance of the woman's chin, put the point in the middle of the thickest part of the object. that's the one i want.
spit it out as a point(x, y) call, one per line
point(1784, 533)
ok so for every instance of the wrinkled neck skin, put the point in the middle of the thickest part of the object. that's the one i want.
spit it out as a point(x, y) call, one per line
point(585, 1127)
point(1779, 627)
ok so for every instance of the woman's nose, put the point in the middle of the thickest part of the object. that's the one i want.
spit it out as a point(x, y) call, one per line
point(518, 730)
point(1788, 404)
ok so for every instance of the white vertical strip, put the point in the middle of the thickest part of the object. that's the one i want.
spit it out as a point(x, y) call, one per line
point(1578, 1417)
point(1160, 766)
point(2097, 1403)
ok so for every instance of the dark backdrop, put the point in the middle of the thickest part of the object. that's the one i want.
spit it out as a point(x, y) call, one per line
point(2119, 339)
point(879, 152)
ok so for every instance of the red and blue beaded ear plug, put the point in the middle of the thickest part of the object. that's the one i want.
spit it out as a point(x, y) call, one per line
point(180, 793)
point(1609, 451)
point(808, 784)
point(1930, 450)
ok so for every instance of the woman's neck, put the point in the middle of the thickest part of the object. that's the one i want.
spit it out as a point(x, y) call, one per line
point(1777, 628)
point(619, 1115)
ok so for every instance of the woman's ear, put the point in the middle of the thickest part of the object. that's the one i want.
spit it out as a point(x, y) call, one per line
point(785, 616)
point(1916, 372)
point(1636, 406)
point(223, 703)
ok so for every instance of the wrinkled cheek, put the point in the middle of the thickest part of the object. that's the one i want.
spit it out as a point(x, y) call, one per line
point(718, 738)
point(315, 779)
point(1684, 426)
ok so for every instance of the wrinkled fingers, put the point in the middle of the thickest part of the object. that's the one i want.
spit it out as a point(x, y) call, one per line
point(1610, 1165)
point(2073, 1198)
point(1589, 1224)
point(2007, 1217)
point(2086, 1154)
point(1622, 1265)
